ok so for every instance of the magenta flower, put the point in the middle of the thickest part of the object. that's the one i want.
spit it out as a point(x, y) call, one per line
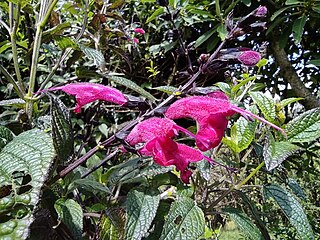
point(156, 133)
point(88, 92)
point(166, 152)
point(261, 11)
point(139, 30)
point(211, 114)
point(135, 40)
point(249, 58)
point(243, 55)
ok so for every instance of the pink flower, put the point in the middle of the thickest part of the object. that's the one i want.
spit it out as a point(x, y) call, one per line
point(249, 58)
point(88, 92)
point(243, 55)
point(211, 113)
point(261, 11)
point(156, 133)
point(139, 30)
point(135, 40)
point(166, 152)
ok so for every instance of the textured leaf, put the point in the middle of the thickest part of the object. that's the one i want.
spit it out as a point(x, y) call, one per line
point(298, 28)
point(185, 221)
point(245, 133)
point(296, 189)
point(93, 54)
point(292, 209)
point(133, 86)
point(222, 31)
point(244, 223)
point(265, 104)
point(62, 133)
point(65, 42)
point(18, 102)
point(24, 166)
point(304, 128)
point(90, 185)
point(141, 210)
point(275, 153)
point(70, 213)
point(166, 89)
point(5, 136)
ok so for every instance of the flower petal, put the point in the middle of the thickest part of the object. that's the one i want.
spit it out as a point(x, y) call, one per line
point(88, 92)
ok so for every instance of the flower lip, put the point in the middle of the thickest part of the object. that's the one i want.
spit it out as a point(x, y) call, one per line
point(139, 30)
point(88, 92)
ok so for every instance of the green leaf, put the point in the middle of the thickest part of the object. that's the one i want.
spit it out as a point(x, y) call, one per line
point(24, 165)
point(93, 54)
point(298, 28)
point(224, 87)
point(22, 3)
point(293, 2)
point(288, 101)
point(296, 188)
point(5, 136)
point(62, 133)
point(222, 31)
point(132, 85)
point(255, 214)
point(277, 13)
point(305, 127)
point(275, 153)
point(155, 14)
point(246, 2)
point(184, 221)
point(242, 83)
point(315, 62)
point(108, 230)
point(166, 89)
point(70, 213)
point(245, 133)
point(292, 209)
point(17, 102)
point(65, 42)
point(244, 223)
point(204, 37)
point(265, 104)
point(141, 210)
point(263, 62)
point(89, 185)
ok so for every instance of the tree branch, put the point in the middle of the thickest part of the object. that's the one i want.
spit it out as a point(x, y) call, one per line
point(290, 76)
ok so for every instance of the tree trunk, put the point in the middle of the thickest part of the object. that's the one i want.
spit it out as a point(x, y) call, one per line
point(291, 77)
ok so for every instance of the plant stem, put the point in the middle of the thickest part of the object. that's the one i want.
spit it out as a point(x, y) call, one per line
point(12, 81)
point(239, 185)
point(44, 15)
point(13, 37)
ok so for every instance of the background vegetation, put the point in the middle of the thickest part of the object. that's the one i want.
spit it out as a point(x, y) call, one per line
point(65, 176)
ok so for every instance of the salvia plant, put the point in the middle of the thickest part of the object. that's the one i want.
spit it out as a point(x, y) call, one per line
point(94, 155)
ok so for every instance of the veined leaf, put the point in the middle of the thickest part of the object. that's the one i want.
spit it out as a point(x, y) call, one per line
point(184, 221)
point(304, 128)
point(298, 28)
point(166, 89)
point(141, 210)
point(296, 189)
point(89, 185)
point(62, 133)
point(108, 231)
point(93, 54)
point(17, 102)
point(132, 85)
point(292, 209)
point(275, 153)
point(265, 104)
point(24, 163)
point(245, 133)
point(5, 136)
point(244, 223)
point(70, 213)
